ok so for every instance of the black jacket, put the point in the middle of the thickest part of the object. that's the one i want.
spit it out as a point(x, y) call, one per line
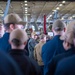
point(66, 66)
point(28, 66)
point(8, 66)
point(53, 63)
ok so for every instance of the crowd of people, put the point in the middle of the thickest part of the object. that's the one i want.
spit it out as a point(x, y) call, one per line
point(36, 55)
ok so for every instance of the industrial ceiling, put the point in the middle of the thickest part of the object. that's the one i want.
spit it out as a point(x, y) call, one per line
point(35, 10)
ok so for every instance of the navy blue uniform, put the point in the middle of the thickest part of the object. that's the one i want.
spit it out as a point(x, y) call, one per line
point(4, 43)
point(53, 63)
point(66, 66)
point(50, 49)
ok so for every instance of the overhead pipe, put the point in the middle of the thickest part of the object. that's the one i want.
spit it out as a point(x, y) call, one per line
point(7, 8)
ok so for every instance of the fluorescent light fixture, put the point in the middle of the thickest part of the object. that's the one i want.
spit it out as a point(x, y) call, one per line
point(26, 12)
point(26, 8)
point(63, 1)
point(70, 18)
point(60, 4)
point(26, 4)
point(1, 14)
point(49, 17)
point(25, 1)
point(54, 10)
point(62, 18)
point(1, 11)
point(57, 8)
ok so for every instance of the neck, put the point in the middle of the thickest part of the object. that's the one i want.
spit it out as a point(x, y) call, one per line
point(20, 47)
point(8, 31)
point(58, 33)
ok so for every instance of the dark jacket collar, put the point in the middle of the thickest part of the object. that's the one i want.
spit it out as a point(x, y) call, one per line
point(71, 50)
point(17, 51)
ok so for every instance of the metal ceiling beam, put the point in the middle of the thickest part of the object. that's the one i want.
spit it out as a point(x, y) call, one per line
point(38, 0)
point(41, 11)
point(64, 9)
point(52, 9)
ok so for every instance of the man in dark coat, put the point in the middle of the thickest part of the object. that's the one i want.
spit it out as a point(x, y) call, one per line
point(68, 45)
point(11, 22)
point(54, 46)
point(18, 39)
point(8, 66)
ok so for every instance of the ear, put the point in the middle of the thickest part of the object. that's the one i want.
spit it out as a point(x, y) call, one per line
point(25, 43)
point(12, 26)
point(68, 44)
point(64, 29)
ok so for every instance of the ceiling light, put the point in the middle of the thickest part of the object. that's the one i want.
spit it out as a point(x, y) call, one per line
point(1, 11)
point(26, 8)
point(70, 18)
point(63, 1)
point(62, 18)
point(25, 1)
point(26, 12)
point(54, 10)
point(50, 16)
point(1, 14)
point(60, 5)
point(26, 4)
point(57, 8)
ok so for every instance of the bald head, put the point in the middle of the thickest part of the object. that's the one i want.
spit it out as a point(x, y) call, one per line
point(18, 37)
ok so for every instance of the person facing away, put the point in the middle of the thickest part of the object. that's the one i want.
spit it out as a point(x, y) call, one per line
point(18, 39)
point(54, 46)
point(66, 66)
point(10, 22)
point(8, 66)
point(68, 46)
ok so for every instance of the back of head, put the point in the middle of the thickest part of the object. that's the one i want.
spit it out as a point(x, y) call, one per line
point(70, 32)
point(70, 26)
point(58, 25)
point(18, 37)
point(69, 37)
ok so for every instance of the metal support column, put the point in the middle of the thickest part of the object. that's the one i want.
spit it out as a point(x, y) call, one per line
point(45, 24)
